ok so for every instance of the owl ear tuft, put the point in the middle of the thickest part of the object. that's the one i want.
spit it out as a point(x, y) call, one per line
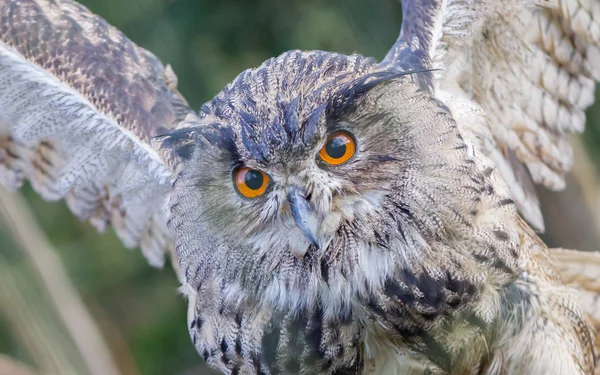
point(349, 96)
point(181, 141)
point(184, 141)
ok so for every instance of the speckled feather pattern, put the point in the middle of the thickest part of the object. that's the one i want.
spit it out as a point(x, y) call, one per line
point(425, 266)
point(517, 77)
point(426, 270)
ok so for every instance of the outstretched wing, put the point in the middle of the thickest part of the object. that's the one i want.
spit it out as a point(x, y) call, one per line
point(517, 74)
point(80, 105)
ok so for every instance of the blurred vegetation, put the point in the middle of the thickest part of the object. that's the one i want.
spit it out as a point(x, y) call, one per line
point(208, 43)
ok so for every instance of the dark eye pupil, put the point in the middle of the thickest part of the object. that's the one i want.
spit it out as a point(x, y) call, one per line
point(336, 147)
point(254, 180)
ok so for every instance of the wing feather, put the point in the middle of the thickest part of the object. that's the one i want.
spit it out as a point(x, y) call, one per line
point(80, 105)
point(528, 66)
point(581, 269)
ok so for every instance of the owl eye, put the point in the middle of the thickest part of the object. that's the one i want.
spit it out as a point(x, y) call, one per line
point(250, 183)
point(338, 149)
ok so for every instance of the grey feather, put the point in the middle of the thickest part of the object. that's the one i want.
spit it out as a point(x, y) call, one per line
point(79, 105)
point(375, 234)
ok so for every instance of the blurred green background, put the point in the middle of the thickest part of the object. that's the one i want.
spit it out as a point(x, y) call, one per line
point(208, 43)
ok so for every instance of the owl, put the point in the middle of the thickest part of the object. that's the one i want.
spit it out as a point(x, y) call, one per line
point(330, 214)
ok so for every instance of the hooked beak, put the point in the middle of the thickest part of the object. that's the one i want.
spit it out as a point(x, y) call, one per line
point(305, 217)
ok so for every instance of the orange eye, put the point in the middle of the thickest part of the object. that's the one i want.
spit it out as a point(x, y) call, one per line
point(250, 183)
point(338, 149)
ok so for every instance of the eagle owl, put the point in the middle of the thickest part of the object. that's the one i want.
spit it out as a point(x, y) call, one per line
point(330, 214)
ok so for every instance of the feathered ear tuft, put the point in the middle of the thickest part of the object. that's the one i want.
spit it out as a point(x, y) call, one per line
point(348, 97)
point(181, 141)
point(184, 141)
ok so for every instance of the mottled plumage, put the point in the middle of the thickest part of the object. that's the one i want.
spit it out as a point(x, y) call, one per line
point(419, 268)
point(409, 257)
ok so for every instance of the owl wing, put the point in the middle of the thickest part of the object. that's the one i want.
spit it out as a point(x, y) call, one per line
point(80, 105)
point(582, 270)
point(517, 74)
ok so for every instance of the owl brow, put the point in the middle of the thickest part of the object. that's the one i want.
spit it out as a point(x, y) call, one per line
point(346, 99)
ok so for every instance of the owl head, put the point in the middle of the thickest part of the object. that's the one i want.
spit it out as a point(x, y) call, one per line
point(315, 179)
point(281, 165)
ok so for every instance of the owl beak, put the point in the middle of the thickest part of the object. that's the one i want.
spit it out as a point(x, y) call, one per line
point(305, 217)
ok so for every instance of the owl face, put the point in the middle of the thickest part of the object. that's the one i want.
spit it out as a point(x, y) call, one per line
point(293, 177)
point(280, 164)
